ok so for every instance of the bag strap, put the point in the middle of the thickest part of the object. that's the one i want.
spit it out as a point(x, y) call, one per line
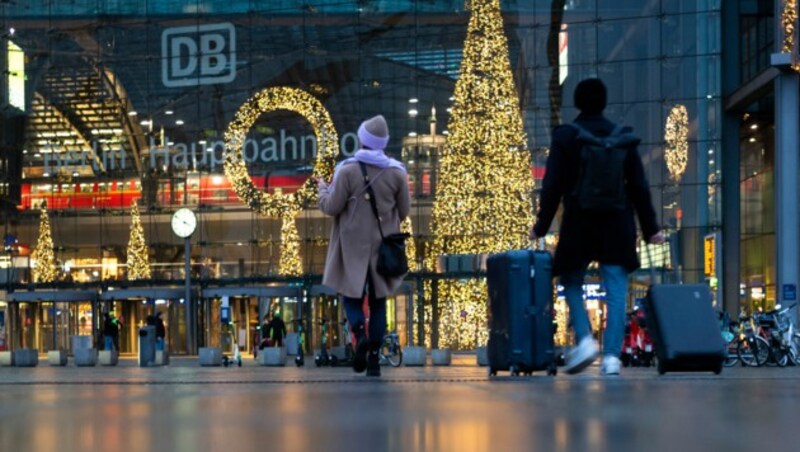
point(371, 195)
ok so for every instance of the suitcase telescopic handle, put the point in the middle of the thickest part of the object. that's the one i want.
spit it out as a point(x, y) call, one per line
point(647, 247)
point(537, 244)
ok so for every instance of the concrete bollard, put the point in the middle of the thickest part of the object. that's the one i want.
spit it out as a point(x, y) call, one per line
point(57, 358)
point(272, 356)
point(26, 357)
point(162, 358)
point(210, 356)
point(414, 356)
point(482, 356)
point(85, 357)
point(6, 358)
point(80, 342)
point(108, 358)
point(441, 357)
point(290, 342)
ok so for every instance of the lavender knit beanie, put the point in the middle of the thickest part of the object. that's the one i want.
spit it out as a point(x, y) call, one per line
point(374, 133)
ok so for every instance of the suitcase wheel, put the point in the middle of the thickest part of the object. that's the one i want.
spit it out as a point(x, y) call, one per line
point(492, 372)
point(661, 368)
point(514, 371)
point(552, 370)
point(718, 370)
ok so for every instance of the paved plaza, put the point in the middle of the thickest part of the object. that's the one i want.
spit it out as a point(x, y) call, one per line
point(184, 407)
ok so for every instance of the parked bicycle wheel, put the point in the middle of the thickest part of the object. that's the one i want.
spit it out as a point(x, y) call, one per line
point(733, 353)
point(393, 354)
point(753, 351)
point(795, 349)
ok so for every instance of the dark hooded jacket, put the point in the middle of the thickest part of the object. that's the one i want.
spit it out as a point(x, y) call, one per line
point(608, 238)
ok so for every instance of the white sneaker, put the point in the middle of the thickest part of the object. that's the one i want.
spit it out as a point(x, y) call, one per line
point(610, 365)
point(582, 355)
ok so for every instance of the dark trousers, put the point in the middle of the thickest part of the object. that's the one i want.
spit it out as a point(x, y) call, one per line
point(354, 309)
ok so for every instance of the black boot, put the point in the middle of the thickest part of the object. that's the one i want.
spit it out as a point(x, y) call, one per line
point(362, 346)
point(373, 364)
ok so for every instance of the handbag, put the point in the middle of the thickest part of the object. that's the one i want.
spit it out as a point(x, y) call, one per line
point(392, 260)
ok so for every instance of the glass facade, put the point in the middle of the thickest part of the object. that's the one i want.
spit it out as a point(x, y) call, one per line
point(128, 100)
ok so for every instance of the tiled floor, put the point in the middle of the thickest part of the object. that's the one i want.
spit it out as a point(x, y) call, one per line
point(187, 408)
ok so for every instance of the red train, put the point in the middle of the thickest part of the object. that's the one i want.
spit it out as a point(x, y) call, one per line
point(208, 189)
point(119, 194)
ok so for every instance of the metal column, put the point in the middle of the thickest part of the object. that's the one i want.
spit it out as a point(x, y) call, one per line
point(787, 221)
point(187, 300)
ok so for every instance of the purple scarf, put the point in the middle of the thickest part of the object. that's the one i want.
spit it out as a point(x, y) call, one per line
point(370, 157)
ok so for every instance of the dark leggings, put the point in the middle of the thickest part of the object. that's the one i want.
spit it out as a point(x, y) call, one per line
point(354, 310)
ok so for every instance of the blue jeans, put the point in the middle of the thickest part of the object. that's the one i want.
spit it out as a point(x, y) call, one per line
point(615, 279)
point(353, 308)
point(160, 343)
point(108, 343)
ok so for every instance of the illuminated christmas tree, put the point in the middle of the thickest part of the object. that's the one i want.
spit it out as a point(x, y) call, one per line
point(484, 196)
point(45, 270)
point(290, 263)
point(138, 253)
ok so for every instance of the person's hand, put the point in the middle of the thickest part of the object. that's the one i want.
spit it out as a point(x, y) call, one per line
point(657, 238)
point(321, 183)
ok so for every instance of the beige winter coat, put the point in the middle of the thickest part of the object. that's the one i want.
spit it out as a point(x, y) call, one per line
point(355, 237)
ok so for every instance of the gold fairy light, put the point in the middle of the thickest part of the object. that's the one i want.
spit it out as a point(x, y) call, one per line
point(138, 253)
point(290, 263)
point(676, 136)
point(483, 200)
point(411, 247)
point(281, 205)
point(789, 22)
point(270, 99)
point(45, 270)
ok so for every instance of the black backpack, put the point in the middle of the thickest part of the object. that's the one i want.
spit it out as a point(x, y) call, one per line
point(601, 176)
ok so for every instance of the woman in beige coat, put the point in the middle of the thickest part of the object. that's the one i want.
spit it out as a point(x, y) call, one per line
point(350, 266)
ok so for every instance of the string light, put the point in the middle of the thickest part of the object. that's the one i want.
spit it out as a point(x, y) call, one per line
point(411, 247)
point(281, 205)
point(138, 253)
point(484, 197)
point(45, 270)
point(277, 205)
point(676, 136)
point(290, 263)
point(789, 22)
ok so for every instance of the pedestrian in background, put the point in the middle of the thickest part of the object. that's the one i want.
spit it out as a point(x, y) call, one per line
point(161, 331)
point(276, 330)
point(351, 263)
point(265, 339)
point(591, 230)
point(110, 332)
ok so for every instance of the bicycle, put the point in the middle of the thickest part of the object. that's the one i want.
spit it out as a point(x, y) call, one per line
point(778, 328)
point(391, 351)
point(752, 348)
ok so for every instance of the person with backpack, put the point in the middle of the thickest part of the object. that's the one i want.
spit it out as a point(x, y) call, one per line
point(594, 168)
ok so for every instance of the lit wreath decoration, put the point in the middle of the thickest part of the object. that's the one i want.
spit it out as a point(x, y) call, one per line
point(278, 205)
point(676, 135)
point(789, 22)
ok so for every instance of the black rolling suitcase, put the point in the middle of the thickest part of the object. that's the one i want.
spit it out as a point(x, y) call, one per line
point(684, 328)
point(520, 286)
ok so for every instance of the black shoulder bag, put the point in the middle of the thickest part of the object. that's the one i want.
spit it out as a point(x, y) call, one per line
point(392, 260)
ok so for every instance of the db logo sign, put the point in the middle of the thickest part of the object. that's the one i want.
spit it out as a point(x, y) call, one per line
point(198, 55)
